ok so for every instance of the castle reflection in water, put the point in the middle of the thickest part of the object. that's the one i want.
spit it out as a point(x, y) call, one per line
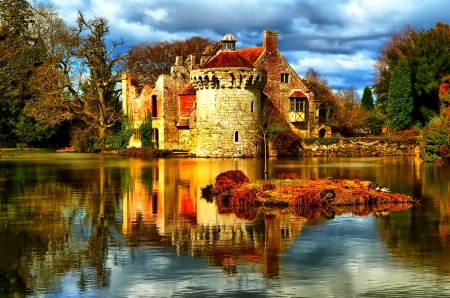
point(170, 211)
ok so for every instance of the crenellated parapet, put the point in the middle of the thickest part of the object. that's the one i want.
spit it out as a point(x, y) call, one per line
point(228, 78)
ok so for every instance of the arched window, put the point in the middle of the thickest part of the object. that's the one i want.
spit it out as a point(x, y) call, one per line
point(236, 136)
point(154, 107)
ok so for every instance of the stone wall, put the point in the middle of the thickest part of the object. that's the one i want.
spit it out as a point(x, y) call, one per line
point(352, 147)
point(275, 64)
point(228, 106)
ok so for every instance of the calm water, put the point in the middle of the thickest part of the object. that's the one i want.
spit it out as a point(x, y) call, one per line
point(81, 225)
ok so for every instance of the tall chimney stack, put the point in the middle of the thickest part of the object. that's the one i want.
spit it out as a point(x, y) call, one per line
point(270, 42)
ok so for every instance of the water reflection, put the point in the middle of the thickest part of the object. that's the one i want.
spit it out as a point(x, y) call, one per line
point(71, 223)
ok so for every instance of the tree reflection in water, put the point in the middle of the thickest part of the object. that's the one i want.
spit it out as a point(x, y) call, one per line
point(82, 215)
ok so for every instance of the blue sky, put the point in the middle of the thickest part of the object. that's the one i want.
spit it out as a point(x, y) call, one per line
point(339, 38)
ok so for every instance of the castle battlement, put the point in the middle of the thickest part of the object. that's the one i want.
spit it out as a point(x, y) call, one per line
point(228, 78)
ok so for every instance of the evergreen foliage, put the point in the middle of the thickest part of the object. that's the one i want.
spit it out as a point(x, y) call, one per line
point(434, 136)
point(367, 99)
point(20, 54)
point(146, 130)
point(400, 102)
point(424, 52)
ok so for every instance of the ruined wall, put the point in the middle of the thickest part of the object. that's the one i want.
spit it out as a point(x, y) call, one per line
point(167, 89)
point(228, 105)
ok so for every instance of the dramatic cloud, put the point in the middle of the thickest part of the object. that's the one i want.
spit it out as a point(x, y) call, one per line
point(340, 39)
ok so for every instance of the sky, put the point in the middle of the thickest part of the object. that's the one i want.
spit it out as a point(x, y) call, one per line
point(338, 38)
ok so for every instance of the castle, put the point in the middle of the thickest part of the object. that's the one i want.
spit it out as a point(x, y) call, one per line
point(211, 105)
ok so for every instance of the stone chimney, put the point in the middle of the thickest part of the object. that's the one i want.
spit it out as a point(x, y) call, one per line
point(270, 40)
point(125, 85)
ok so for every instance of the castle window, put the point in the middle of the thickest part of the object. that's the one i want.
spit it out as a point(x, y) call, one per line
point(236, 136)
point(297, 104)
point(136, 134)
point(155, 137)
point(252, 104)
point(154, 107)
point(284, 78)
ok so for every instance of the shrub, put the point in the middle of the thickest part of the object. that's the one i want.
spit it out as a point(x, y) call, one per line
point(226, 181)
point(146, 131)
point(287, 176)
point(309, 141)
point(434, 136)
point(243, 197)
point(286, 143)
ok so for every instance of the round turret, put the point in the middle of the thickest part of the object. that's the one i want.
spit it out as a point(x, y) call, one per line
point(228, 103)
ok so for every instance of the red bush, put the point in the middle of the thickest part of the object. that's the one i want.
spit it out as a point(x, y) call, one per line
point(287, 176)
point(444, 88)
point(243, 197)
point(268, 186)
point(226, 181)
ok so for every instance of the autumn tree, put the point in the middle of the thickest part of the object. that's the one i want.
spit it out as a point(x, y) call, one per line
point(400, 104)
point(79, 84)
point(147, 61)
point(348, 116)
point(323, 94)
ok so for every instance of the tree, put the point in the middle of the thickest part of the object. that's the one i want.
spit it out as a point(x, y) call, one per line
point(367, 99)
point(147, 61)
point(323, 94)
point(348, 116)
point(80, 82)
point(20, 55)
point(424, 51)
point(269, 123)
point(391, 52)
point(400, 104)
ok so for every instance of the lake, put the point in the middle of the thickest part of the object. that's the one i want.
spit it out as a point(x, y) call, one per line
point(93, 225)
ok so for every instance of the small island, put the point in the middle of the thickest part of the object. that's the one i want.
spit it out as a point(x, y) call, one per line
point(328, 197)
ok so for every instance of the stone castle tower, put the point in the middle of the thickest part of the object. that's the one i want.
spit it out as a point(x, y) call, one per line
point(229, 94)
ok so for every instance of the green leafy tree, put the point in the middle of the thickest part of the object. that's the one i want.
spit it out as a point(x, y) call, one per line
point(424, 52)
point(400, 105)
point(367, 99)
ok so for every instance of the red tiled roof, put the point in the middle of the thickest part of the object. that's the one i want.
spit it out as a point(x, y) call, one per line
point(228, 59)
point(188, 90)
point(296, 94)
point(251, 54)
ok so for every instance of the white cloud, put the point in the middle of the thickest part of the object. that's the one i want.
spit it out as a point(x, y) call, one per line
point(333, 63)
point(158, 14)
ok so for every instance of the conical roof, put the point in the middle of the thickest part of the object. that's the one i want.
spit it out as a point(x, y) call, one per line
point(228, 37)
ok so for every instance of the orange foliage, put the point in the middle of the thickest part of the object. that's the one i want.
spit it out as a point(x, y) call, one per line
point(287, 176)
point(444, 88)
point(309, 198)
point(228, 180)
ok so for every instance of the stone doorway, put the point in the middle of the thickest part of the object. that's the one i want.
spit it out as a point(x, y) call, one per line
point(322, 133)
